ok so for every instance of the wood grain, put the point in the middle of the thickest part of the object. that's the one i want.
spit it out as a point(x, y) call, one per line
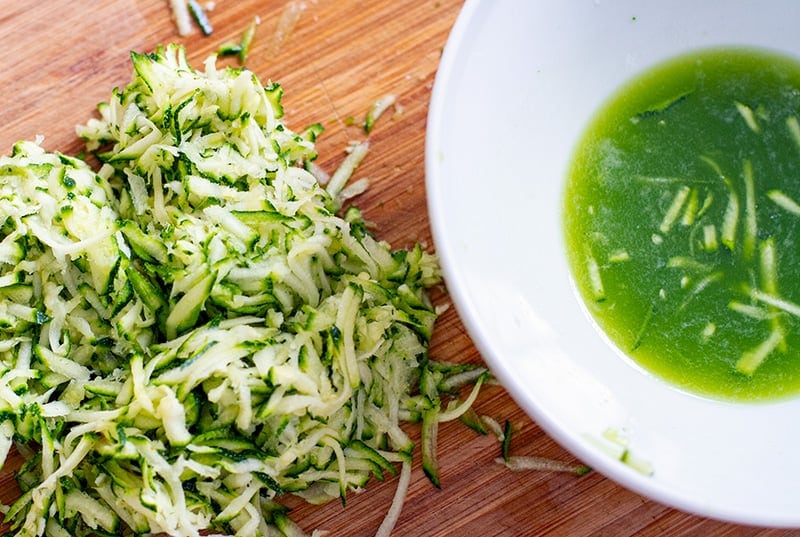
point(61, 57)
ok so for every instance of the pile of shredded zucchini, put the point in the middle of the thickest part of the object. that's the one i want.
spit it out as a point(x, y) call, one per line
point(192, 331)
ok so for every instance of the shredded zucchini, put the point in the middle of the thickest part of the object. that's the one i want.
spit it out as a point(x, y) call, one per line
point(377, 109)
point(182, 17)
point(200, 17)
point(193, 331)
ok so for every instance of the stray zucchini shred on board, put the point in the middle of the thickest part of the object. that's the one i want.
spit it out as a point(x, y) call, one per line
point(193, 331)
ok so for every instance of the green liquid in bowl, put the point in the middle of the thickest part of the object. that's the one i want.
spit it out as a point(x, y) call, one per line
point(682, 220)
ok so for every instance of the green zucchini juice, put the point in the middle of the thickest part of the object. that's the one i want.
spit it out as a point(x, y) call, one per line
point(682, 222)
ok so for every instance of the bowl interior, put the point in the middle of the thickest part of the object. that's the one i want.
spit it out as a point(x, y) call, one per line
point(518, 83)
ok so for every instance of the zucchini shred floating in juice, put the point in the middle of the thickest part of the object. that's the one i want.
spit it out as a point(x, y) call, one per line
point(193, 331)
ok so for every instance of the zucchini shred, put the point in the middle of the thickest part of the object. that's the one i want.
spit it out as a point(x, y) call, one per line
point(193, 330)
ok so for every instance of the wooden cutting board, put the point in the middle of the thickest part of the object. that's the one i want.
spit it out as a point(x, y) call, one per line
point(61, 57)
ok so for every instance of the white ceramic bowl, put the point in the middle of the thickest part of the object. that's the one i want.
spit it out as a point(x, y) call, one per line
point(518, 82)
